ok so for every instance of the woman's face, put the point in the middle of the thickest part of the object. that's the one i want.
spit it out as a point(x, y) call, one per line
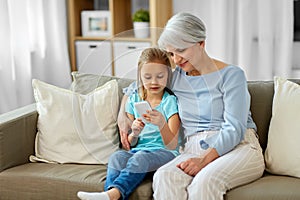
point(187, 58)
point(154, 77)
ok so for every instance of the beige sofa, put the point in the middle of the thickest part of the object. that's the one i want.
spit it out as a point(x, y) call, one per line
point(20, 179)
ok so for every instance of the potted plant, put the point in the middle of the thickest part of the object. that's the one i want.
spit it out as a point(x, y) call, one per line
point(141, 21)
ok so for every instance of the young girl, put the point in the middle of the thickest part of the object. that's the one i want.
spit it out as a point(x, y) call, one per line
point(153, 143)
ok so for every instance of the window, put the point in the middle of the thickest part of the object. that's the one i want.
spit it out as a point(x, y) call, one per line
point(296, 20)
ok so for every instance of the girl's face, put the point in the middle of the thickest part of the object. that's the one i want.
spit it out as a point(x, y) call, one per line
point(154, 77)
point(187, 58)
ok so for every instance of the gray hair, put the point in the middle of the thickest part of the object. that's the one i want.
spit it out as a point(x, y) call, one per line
point(182, 31)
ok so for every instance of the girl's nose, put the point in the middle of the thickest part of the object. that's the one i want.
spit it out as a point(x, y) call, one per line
point(153, 81)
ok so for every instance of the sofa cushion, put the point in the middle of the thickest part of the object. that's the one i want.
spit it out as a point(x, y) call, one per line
point(36, 181)
point(49, 181)
point(75, 128)
point(269, 187)
point(261, 107)
point(282, 153)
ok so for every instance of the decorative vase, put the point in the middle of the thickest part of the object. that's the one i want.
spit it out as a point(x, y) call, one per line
point(141, 29)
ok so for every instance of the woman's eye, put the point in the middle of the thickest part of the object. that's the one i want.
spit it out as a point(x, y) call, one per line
point(180, 50)
point(160, 76)
point(147, 77)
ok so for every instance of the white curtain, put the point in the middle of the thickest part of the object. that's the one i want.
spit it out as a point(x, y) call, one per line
point(256, 35)
point(33, 38)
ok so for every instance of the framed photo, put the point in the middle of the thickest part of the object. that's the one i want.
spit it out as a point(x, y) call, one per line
point(95, 23)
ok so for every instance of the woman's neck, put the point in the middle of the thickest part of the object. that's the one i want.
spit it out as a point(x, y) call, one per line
point(209, 65)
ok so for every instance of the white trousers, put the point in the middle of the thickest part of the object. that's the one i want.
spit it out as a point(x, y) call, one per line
point(245, 163)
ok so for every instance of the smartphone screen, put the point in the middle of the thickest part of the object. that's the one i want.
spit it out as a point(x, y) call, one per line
point(142, 107)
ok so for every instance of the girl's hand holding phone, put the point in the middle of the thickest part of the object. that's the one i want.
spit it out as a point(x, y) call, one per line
point(155, 117)
point(150, 115)
point(137, 126)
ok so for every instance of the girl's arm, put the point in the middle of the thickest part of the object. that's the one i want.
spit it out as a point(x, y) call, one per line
point(168, 130)
point(136, 127)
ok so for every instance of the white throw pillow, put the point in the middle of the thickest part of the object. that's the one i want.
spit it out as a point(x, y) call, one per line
point(76, 128)
point(282, 153)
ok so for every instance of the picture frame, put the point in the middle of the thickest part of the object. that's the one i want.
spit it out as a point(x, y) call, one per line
point(96, 23)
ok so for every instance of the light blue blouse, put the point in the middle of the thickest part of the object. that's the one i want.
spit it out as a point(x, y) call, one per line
point(216, 101)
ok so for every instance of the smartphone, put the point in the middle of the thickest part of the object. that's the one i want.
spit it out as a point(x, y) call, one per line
point(141, 107)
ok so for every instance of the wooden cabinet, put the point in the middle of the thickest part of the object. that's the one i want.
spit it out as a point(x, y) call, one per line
point(121, 13)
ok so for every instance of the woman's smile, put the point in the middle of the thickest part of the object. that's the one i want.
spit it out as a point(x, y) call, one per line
point(182, 65)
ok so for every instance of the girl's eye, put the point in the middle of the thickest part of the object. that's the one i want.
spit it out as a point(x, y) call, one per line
point(160, 76)
point(147, 77)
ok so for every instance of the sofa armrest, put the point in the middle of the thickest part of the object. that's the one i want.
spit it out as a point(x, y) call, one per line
point(17, 136)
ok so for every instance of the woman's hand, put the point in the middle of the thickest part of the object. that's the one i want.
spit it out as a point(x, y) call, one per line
point(137, 126)
point(124, 125)
point(193, 165)
point(156, 118)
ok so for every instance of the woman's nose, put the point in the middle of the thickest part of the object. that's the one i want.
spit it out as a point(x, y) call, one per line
point(176, 58)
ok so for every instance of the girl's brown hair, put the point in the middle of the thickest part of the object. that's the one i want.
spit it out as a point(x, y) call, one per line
point(152, 55)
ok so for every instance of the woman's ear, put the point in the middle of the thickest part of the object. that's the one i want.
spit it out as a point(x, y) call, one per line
point(202, 44)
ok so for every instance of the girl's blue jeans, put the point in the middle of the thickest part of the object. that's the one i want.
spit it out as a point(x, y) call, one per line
point(127, 169)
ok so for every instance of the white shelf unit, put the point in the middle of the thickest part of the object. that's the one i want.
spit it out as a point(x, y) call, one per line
point(94, 57)
point(126, 56)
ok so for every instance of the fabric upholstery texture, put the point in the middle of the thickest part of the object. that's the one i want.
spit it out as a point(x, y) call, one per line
point(269, 187)
point(282, 153)
point(48, 181)
point(84, 83)
point(18, 125)
point(37, 181)
point(76, 128)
